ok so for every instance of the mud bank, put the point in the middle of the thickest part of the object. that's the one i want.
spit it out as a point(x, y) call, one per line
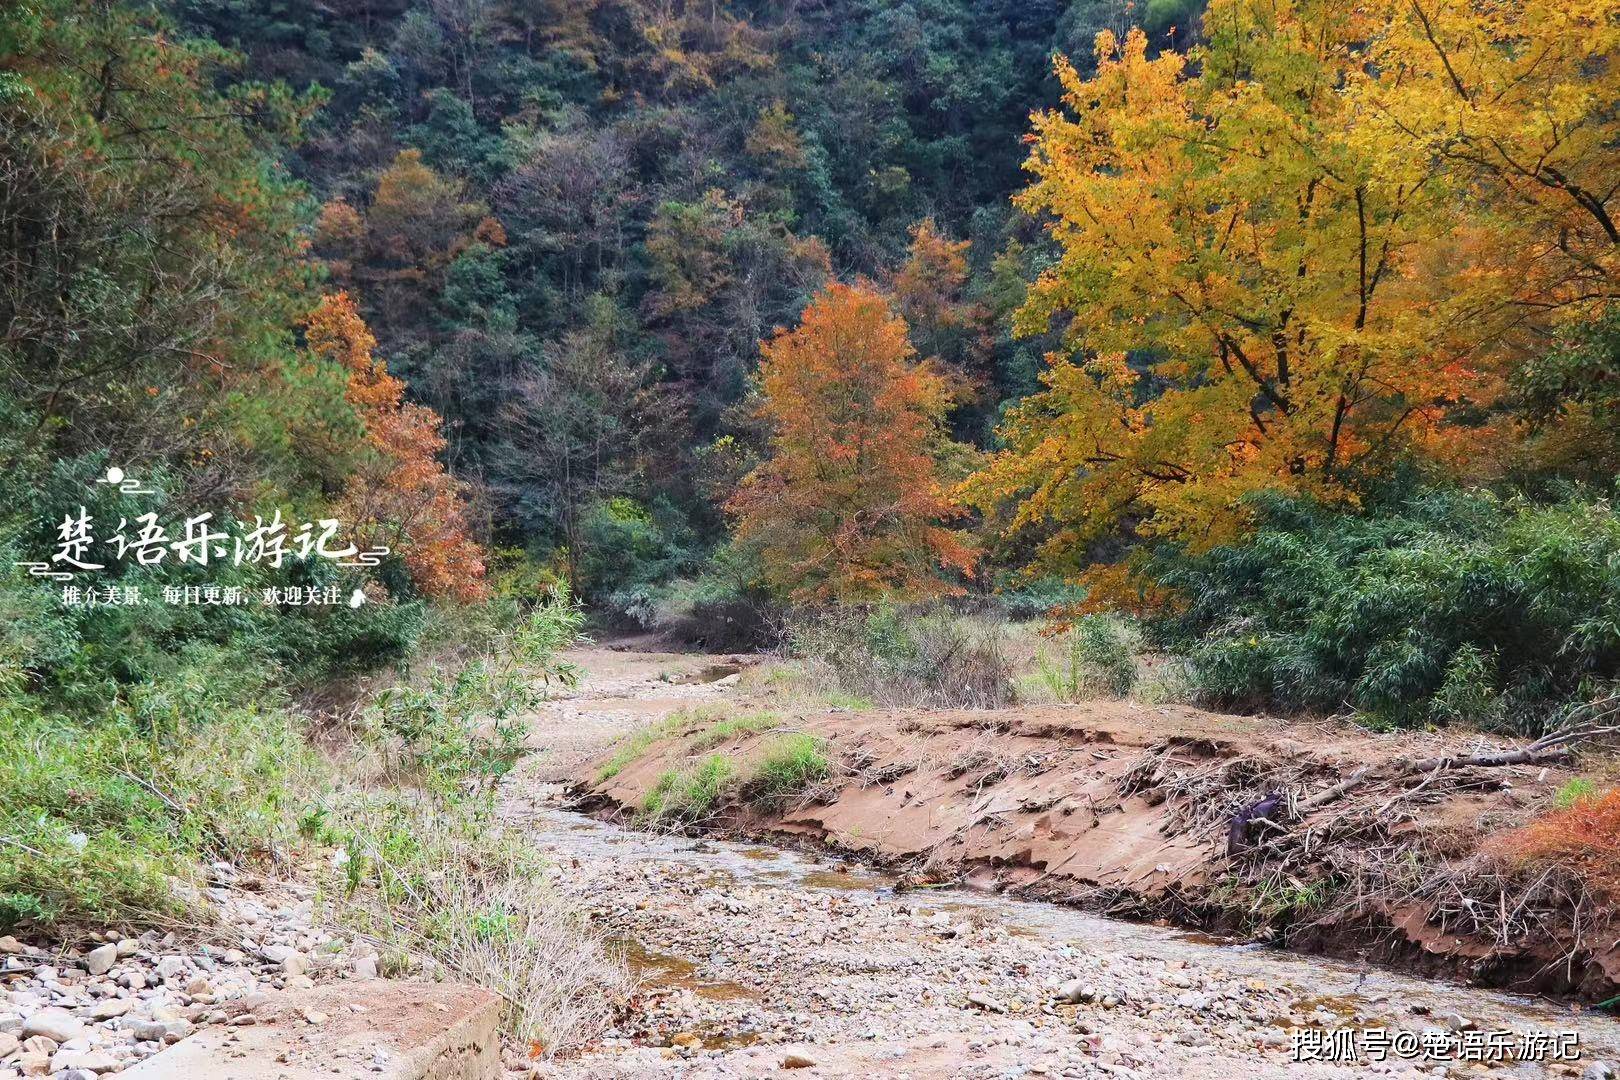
point(1127, 810)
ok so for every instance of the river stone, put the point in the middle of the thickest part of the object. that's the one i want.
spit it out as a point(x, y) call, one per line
point(96, 1061)
point(110, 1008)
point(798, 1061)
point(99, 961)
point(40, 1044)
point(1074, 991)
point(54, 1023)
point(32, 1064)
point(148, 1030)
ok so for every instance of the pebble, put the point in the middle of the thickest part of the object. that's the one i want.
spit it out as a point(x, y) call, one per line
point(111, 1007)
point(100, 1011)
point(93, 1061)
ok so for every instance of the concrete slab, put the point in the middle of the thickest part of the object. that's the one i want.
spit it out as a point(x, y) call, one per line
point(375, 1029)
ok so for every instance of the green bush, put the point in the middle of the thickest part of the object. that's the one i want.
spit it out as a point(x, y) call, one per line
point(627, 550)
point(722, 608)
point(465, 724)
point(1444, 606)
point(1036, 598)
point(1094, 657)
point(83, 656)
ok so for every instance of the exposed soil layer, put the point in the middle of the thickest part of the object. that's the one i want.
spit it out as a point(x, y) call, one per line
point(1128, 809)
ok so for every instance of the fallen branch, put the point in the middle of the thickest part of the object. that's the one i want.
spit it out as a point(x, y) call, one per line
point(1549, 747)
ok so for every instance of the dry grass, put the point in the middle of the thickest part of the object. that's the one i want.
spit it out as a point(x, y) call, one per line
point(1582, 838)
point(446, 889)
point(1386, 848)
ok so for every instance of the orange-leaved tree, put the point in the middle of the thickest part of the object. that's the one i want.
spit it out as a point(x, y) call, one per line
point(399, 493)
point(1284, 263)
point(930, 291)
point(851, 505)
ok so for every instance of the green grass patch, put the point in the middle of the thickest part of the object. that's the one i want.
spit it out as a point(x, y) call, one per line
point(97, 815)
point(691, 793)
point(789, 764)
point(636, 743)
point(842, 699)
point(1573, 791)
point(733, 726)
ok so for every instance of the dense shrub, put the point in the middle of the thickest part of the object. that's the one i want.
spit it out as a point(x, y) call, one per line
point(627, 550)
point(83, 656)
point(1444, 606)
point(723, 607)
point(1036, 598)
point(463, 725)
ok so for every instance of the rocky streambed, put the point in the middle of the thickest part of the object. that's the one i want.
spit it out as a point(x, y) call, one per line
point(758, 960)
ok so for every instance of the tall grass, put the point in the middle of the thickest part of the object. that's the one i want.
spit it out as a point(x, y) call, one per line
point(474, 901)
point(789, 764)
point(1095, 657)
point(691, 793)
point(903, 656)
point(98, 815)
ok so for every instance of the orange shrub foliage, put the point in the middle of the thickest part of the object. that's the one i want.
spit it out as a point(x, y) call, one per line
point(850, 505)
point(1583, 838)
point(400, 494)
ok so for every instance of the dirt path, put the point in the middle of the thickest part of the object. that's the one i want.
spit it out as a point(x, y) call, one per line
point(759, 960)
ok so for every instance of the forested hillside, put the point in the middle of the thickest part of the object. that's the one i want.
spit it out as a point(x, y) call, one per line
point(570, 225)
point(1150, 285)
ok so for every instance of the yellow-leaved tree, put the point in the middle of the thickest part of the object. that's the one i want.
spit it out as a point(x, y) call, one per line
point(1319, 243)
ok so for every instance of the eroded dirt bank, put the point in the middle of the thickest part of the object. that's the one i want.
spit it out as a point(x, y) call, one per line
point(1126, 809)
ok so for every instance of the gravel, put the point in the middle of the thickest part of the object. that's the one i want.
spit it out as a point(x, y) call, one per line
point(88, 1011)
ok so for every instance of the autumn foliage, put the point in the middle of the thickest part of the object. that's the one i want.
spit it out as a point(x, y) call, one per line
point(850, 504)
point(1321, 244)
point(1583, 838)
point(399, 494)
